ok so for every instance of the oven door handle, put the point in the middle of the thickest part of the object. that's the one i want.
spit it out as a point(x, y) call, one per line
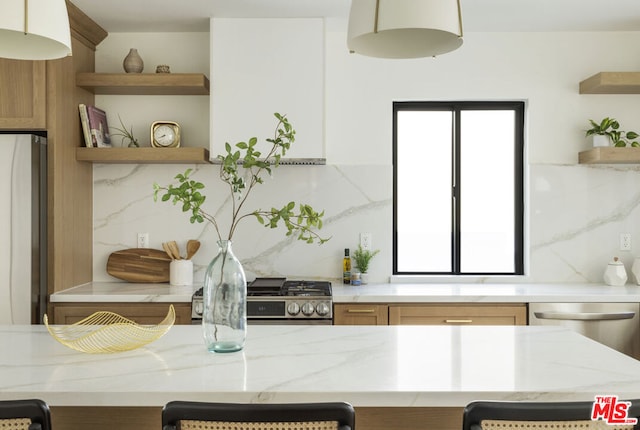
point(585, 316)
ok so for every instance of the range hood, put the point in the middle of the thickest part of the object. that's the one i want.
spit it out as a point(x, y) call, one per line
point(290, 161)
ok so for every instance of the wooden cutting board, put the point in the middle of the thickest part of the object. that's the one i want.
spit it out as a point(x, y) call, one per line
point(139, 265)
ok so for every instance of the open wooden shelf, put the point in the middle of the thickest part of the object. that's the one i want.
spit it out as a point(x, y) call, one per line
point(144, 83)
point(144, 155)
point(610, 155)
point(611, 83)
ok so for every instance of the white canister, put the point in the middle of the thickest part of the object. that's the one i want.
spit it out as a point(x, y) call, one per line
point(181, 272)
point(615, 274)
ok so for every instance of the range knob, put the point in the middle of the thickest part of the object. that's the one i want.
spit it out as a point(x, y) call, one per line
point(199, 308)
point(293, 308)
point(322, 309)
point(308, 309)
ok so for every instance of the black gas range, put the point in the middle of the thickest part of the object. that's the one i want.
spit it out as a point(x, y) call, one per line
point(281, 301)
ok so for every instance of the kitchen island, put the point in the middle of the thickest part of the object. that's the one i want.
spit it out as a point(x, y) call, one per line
point(397, 377)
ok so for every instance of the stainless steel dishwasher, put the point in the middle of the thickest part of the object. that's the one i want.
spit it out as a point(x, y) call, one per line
point(616, 325)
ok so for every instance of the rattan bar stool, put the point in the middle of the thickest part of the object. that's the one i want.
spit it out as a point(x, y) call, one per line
point(30, 414)
point(497, 415)
point(180, 415)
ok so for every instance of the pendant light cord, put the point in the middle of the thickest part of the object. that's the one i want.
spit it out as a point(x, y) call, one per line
point(460, 18)
point(26, 16)
point(375, 20)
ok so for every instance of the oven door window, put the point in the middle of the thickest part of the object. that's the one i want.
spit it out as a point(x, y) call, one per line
point(266, 309)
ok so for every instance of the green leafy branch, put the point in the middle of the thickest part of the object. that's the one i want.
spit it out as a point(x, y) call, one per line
point(304, 222)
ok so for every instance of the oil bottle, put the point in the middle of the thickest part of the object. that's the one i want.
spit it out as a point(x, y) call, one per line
point(346, 267)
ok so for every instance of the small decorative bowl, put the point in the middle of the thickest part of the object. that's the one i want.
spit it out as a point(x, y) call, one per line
point(107, 332)
point(162, 68)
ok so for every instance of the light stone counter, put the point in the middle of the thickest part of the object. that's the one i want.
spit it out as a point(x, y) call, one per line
point(400, 377)
point(125, 292)
point(380, 293)
point(368, 366)
point(484, 293)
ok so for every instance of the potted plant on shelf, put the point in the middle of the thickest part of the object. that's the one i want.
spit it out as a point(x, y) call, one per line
point(127, 135)
point(362, 258)
point(242, 167)
point(607, 133)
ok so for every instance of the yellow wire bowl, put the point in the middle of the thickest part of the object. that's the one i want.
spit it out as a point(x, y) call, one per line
point(107, 332)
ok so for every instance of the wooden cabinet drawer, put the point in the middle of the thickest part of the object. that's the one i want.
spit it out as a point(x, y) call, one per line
point(454, 314)
point(360, 314)
point(147, 313)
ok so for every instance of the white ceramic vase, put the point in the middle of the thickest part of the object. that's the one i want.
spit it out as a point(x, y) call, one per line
point(615, 273)
point(181, 272)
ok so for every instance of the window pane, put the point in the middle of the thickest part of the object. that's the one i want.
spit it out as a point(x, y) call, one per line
point(423, 197)
point(487, 191)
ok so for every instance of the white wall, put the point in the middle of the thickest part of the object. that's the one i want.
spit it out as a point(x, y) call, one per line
point(574, 212)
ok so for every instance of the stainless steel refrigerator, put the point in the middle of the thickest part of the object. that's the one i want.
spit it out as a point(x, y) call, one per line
point(23, 228)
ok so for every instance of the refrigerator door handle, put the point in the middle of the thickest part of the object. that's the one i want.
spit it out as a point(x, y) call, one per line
point(585, 316)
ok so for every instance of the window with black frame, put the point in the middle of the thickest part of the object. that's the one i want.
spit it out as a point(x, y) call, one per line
point(458, 188)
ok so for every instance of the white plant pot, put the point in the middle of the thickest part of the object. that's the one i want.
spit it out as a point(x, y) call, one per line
point(364, 278)
point(598, 140)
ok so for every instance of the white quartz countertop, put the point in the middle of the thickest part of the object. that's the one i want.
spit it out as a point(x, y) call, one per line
point(125, 292)
point(412, 366)
point(484, 293)
point(381, 293)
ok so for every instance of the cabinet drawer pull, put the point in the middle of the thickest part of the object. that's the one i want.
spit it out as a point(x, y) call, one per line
point(458, 321)
point(360, 311)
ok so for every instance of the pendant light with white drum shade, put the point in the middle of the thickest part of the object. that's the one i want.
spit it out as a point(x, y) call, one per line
point(404, 28)
point(34, 30)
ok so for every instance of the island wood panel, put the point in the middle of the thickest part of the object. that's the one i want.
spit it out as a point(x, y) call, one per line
point(150, 418)
point(142, 313)
point(22, 95)
point(361, 314)
point(456, 314)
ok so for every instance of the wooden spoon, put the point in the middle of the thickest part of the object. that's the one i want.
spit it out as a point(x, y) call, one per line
point(173, 246)
point(166, 248)
point(192, 248)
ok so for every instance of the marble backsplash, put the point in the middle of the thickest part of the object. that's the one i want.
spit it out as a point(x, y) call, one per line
point(575, 214)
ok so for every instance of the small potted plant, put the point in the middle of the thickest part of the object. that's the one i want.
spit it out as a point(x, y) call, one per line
point(362, 258)
point(127, 135)
point(607, 133)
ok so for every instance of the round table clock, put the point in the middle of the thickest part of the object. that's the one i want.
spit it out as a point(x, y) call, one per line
point(165, 134)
